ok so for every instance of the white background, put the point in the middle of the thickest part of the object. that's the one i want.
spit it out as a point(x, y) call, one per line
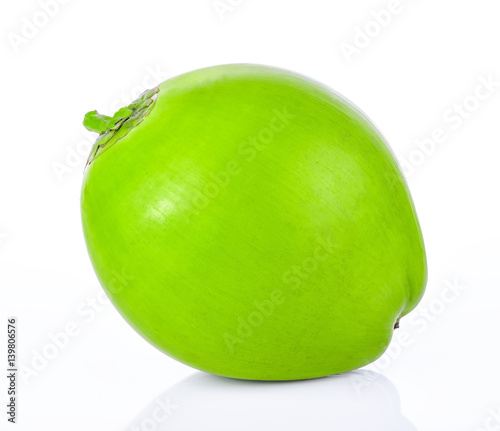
point(410, 76)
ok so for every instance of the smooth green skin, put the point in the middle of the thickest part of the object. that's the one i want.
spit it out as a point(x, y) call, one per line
point(318, 220)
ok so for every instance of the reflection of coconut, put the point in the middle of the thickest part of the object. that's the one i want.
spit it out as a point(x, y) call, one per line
point(359, 400)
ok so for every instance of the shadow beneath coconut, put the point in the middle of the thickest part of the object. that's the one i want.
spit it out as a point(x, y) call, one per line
point(359, 400)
